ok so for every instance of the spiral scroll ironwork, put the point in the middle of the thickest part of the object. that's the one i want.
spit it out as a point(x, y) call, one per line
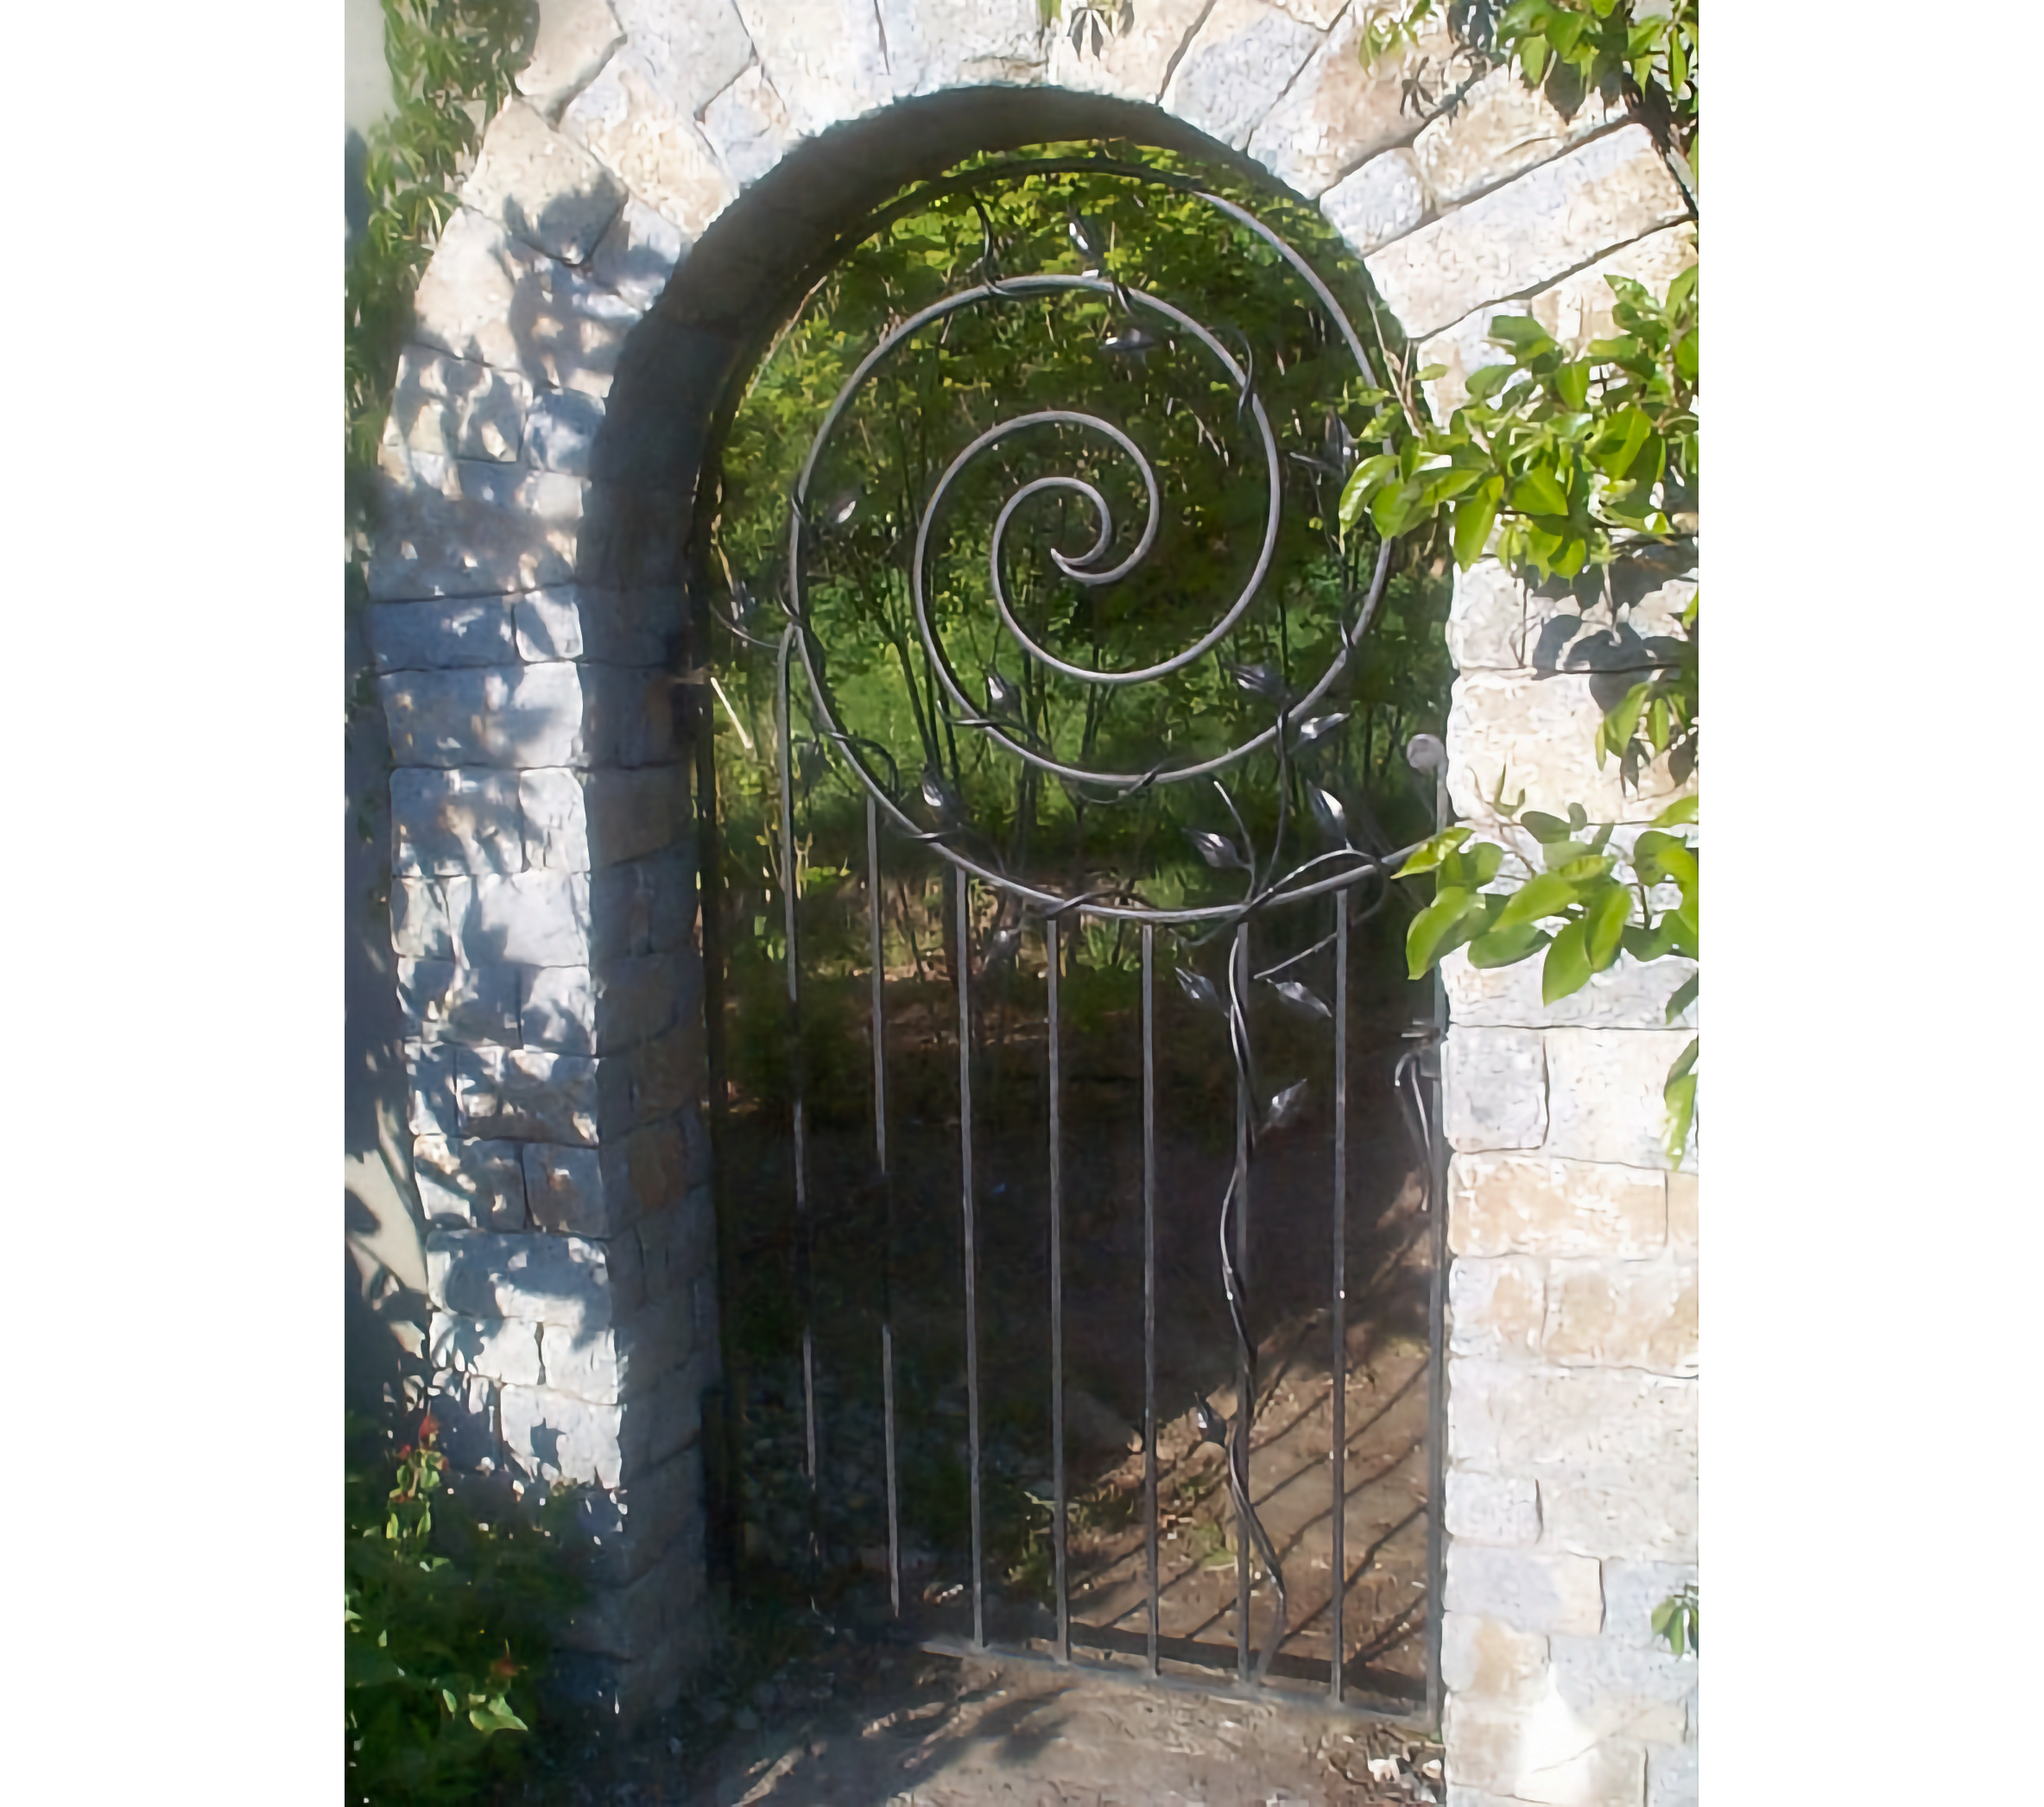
point(1291, 717)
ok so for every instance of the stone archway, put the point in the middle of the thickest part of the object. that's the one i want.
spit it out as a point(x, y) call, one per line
point(669, 172)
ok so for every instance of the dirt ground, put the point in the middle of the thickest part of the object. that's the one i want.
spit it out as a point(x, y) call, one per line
point(860, 1726)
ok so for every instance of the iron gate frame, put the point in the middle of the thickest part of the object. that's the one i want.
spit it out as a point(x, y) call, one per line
point(1417, 1073)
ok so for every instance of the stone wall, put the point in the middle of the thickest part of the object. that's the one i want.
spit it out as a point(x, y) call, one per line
point(638, 213)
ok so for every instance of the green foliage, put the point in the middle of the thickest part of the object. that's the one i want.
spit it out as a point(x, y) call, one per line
point(445, 1622)
point(1675, 1622)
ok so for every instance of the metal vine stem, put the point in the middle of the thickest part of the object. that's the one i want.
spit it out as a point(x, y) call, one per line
point(1271, 880)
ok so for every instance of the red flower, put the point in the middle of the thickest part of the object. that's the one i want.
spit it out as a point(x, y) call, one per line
point(504, 1667)
point(427, 1428)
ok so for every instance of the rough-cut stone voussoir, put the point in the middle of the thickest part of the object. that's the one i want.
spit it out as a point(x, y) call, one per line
point(575, 40)
point(749, 127)
point(1242, 58)
point(694, 50)
point(1526, 233)
point(638, 255)
point(1382, 200)
point(461, 526)
point(1538, 1205)
point(1133, 64)
point(458, 407)
point(825, 57)
point(936, 44)
point(542, 186)
point(1337, 115)
point(1501, 127)
point(658, 152)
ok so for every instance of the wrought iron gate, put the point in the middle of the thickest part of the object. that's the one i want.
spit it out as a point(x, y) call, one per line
point(1278, 874)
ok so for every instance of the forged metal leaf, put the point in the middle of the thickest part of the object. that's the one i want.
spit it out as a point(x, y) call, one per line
point(1085, 234)
point(743, 602)
point(1001, 945)
point(1002, 699)
point(842, 508)
point(1212, 1426)
point(1284, 1106)
point(1130, 341)
point(938, 795)
point(1218, 850)
point(1296, 993)
point(1340, 443)
point(1257, 680)
point(1327, 812)
point(808, 760)
point(1320, 727)
point(1198, 988)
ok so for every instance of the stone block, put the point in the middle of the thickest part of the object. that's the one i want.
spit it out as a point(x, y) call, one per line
point(658, 152)
point(1487, 619)
point(1496, 1083)
point(643, 906)
point(1135, 63)
point(1625, 995)
point(1622, 1314)
point(1648, 1517)
point(560, 431)
point(460, 527)
point(608, 1366)
point(465, 1406)
point(463, 1182)
point(1573, 1428)
point(629, 1530)
point(652, 1081)
point(1461, 1796)
point(530, 919)
point(1605, 1087)
point(1538, 735)
point(1623, 1691)
point(1497, 1509)
point(1644, 634)
point(432, 1089)
point(1681, 1214)
point(486, 296)
point(1338, 115)
point(442, 1002)
point(632, 1619)
point(575, 40)
point(639, 254)
point(936, 44)
point(580, 1010)
point(669, 1417)
point(426, 916)
point(1489, 1658)
point(693, 49)
point(1574, 311)
point(747, 128)
point(1518, 237)
point(1631, 1592)
point(551, 1437)
point(1236, 65)
point(1672, 1779)
point(602, 1193)
point(438, 634)
point(542, 187)
point(1532, 1591)
point(565, 1281)
point(1382, 200)
point(1496, 1305)
point(519, 715)
point(1501, 127)
point(678, 1232)
point(455, 823)
point(458, 407)
point(1542, 1758)
point(604, 627)
point(498, 1348)
point(1536, 1205)
point(578, 821)
point(528, 1095)
point(825, 57)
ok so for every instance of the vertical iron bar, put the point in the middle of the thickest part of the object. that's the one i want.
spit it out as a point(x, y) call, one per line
point(1057, 1303)
point(1437, 1379)
point(1244, 1105)
point(789, 887)
point(887, 1182)
point(965, 985)
point(1149, 1284)
point(1338, 1354)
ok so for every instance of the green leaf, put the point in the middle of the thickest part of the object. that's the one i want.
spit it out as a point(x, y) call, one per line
point(1501, 947)
point(1533, 57)
point(1430, 853)
point(1587, 869)
point(1683, 809)
point(1537, 493)
point(1544, 828)
point(1604, 923)
point(1567, 968)
point(1572, 384)
point(1485, 382)
point(1522, 331)
point(1548, 895)
point(1686, 1061)
point(1684, 997)
point(1474, 518)
point(1427, 938)
point(1680, 1097)
point(496, 1715)
point(1428, 373)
